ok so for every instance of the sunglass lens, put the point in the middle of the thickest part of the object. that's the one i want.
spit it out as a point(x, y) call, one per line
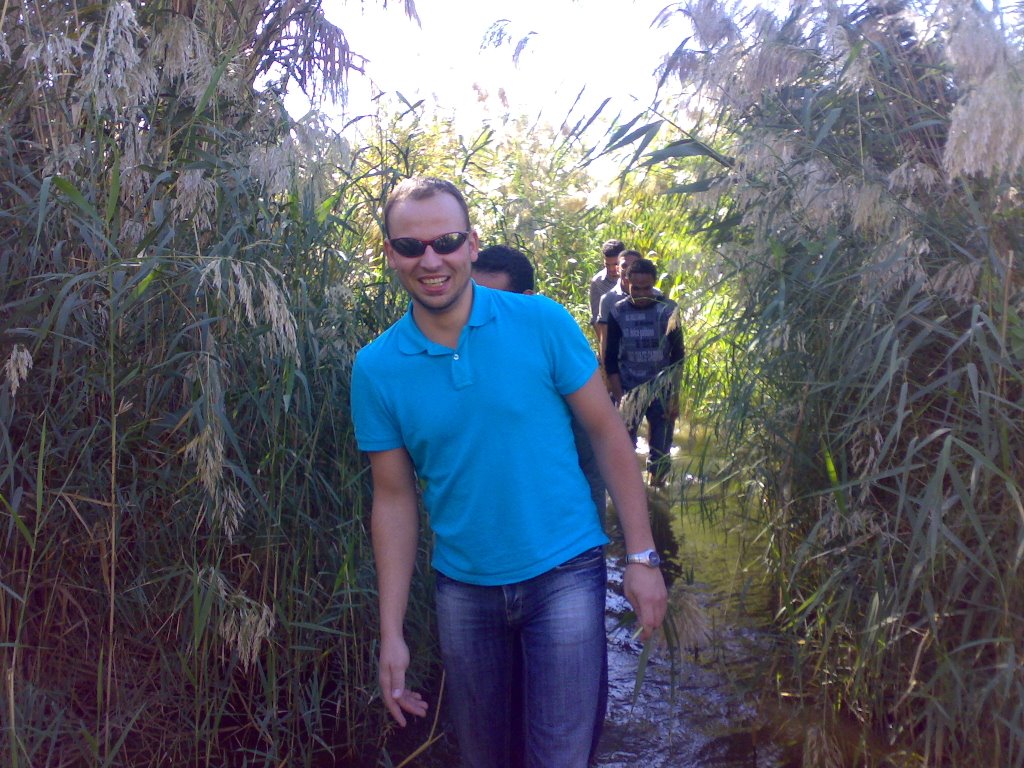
point(449, 243)
point(408, 246)
point(412, 247)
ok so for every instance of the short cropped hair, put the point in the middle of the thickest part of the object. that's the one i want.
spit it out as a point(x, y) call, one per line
point(612, 248)
point(421, 188)
point(643, 267)
point(630, 255)
point(502, 260)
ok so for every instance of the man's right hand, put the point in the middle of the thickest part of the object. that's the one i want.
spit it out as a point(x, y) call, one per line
point(394, 661)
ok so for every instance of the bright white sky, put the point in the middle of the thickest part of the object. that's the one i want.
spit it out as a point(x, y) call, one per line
point(609, 46)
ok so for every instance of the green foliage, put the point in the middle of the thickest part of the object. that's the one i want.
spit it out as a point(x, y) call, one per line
point(185, 277)
point(869, 331)
point(186, 573)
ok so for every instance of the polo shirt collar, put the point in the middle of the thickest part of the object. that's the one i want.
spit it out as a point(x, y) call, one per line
point(412, 341)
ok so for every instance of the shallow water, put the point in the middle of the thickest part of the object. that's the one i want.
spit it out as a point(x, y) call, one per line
point(691, 710)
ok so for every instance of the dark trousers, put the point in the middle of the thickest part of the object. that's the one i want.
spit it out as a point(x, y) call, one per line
point(659, 437)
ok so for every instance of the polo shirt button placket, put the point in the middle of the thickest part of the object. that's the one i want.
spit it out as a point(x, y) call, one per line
point(462, 375)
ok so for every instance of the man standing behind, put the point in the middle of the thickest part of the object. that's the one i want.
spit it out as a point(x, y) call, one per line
point(614, 294)
point(504, 269)
point(470, 394)
point(606, 279)
point(645, 337)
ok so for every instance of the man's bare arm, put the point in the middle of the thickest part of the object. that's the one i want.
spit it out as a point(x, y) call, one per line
point(394, 527)
point(602, 340)
point(644, 586)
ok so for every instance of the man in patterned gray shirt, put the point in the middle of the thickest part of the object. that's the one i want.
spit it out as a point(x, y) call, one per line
point(645, 340)
point(606, 279)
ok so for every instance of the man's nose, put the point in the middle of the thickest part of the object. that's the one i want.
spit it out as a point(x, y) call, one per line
point(430, 258)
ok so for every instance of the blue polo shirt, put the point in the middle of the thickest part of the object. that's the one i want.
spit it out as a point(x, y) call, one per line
point(488, 430)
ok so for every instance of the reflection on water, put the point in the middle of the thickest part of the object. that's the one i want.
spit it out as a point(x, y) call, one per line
point(690, 709)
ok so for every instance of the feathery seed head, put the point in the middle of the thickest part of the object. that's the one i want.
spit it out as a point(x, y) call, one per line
point(976, 47)
point(914, 177)
point(272, 165)
point(207, 450)
point(253, 291)
point(57, 54)
point(691, 620)
point(712, 22)
point(986, 132)
point(113, 78)
point(873, 211)
point(958, 281)
point(245, 624)
point(195, 198)
point(897, 263)
point(821, 748)
point(17, 367)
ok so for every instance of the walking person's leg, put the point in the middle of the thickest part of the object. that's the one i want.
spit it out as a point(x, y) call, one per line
point(477, 648)
point(631, 414)
point(517, 725)
point(565, 653)
point(660, 428)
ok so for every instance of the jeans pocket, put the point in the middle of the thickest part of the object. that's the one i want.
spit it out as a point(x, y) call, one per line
point(588, 558)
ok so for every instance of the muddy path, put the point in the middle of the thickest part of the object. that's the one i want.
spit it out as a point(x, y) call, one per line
point(695, 708)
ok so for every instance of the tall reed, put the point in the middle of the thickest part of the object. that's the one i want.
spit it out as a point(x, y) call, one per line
point(186, 575)
point(861, 191)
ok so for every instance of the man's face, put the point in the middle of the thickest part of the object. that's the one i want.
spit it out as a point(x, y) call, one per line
point(625, 262)
point(436, 283)
point(641, 290)
point(499, 281)
point(611, 265)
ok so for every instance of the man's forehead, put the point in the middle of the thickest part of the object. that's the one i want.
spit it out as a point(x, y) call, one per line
point(439, 206)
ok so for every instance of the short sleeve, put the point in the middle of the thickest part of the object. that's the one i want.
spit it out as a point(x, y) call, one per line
point(572, 360)
point(375, 425)
point(605, 306)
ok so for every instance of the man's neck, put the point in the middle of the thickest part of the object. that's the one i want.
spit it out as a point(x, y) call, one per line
point(443, 327)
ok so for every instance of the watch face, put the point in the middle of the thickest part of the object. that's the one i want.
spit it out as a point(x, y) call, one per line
point(650, 557)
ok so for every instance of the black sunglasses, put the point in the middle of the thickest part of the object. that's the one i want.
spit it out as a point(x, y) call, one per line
point(412, 247)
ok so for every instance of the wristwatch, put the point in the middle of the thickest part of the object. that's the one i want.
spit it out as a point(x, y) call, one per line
point(648, 557)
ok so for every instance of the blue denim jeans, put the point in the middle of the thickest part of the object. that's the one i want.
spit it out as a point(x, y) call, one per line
point(555, 624)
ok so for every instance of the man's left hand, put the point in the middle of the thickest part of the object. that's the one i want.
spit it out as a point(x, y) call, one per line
point(645, 589)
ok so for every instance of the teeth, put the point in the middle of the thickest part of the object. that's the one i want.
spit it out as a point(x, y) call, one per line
point(433, 280)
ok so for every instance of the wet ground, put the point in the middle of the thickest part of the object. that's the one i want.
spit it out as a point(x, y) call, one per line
point(693, 708)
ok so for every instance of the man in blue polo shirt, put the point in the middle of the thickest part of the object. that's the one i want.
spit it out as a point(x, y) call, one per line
point(471, 393)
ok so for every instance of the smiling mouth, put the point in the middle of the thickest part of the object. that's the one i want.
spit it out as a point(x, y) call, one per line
point(433, 282)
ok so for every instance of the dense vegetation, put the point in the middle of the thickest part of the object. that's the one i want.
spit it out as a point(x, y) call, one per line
point(186, 273)
point(865, 192)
